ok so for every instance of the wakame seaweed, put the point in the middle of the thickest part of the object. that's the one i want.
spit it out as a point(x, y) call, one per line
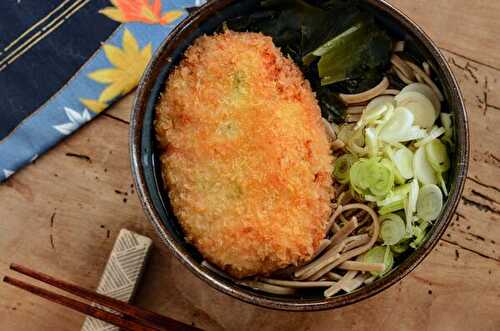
point(300, 27)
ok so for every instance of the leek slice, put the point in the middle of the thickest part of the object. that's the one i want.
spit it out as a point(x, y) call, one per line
point(384, 100)
point(429, 203)
point(371, 141)
point(426, 91)
point(400, 248)
point(342, 167)
point(402, 190)
point(437, 156)
point(379, 254)
point(420, 106)
point(392, 230)
point(369, 176)
point(435, 133)
point(398, 127)
point(420, 234)
point(423, 169)
point(389, 200)
point(357, 176)
point(395, 127)
point(442, 183)
point(403, 160)
point(413, 196)
point(380, 178)
point(392, 207)
point(447, 122)
point(389, 165)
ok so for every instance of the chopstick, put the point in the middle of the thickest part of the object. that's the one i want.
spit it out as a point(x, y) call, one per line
point(79, 306)
point(133, 319)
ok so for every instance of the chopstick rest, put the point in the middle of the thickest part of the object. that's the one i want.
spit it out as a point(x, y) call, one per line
point(122, 273)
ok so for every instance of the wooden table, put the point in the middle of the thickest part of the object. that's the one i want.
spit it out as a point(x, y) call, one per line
point(62, 214)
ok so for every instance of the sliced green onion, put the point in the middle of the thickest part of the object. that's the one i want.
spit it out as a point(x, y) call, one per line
point(402, 190)
point(408, 217)
point(391, 208)
point(420, 234)
point(434, 134)
point(357, 137)
point(447, 122)
point(375, 110)
point(356, 141)
point(358, 176)
point(397, 145)
point(403, 160)
point(371, 198)
point(413, 133)
point(426, 91)
point(420, 106)
point(371, 141)
point(342, 167)
point(391, 199)
point(411, 205)
point(398, 179)
point(442, 183)
point(400, 248)
point(384, 100)
point(392, 230)
point(423, 169)
point(387, 116)
point(429, 203)
point(380, 178)
point(379, 254)
point(395, 127)
point(437, 156)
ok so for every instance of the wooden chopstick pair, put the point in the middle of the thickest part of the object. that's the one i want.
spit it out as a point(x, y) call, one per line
point(127, 317)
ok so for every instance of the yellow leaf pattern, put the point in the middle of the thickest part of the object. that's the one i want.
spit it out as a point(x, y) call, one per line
point(94, 105)
point(113, 13)
point(129, 63)
point(171, 16)
point(115, 55)
point(112, 91)
point(105, 76)
point(129, 43)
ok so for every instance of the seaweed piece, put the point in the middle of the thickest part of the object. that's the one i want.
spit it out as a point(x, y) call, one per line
point(296, 25)
point(332, 108)
point(350, 55)
point(363, 82)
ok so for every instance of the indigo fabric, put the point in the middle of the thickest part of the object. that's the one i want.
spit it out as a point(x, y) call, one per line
point(62, 62)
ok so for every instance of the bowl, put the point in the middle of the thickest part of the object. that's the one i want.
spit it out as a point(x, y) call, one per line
point(145, 164)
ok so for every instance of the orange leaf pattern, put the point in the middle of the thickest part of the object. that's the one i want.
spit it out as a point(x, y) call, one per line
point(145, 11)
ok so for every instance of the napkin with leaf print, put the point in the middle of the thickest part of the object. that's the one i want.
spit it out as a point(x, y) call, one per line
point(63, 62)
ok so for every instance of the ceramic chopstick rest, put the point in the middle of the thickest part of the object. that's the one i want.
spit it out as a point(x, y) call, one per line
point(122, 273)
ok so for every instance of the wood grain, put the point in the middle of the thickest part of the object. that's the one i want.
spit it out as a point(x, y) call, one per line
point(62, 214)
point(469, 28)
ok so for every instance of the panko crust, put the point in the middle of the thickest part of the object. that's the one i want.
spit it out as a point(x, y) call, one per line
point(244, 154)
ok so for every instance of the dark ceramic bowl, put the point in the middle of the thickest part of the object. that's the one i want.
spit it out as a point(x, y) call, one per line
point(145, 165)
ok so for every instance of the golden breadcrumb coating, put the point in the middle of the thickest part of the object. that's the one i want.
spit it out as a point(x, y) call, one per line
point(245, 156)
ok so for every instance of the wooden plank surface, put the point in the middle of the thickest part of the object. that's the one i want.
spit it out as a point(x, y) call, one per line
point(62, 214)
point(469, 28)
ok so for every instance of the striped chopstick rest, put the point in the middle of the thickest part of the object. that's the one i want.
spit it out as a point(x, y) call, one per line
point(122, 273)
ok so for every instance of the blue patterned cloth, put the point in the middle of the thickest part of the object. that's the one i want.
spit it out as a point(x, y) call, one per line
point(62, 62)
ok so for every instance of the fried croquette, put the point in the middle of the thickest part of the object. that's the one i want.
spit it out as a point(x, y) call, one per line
point(244, 154)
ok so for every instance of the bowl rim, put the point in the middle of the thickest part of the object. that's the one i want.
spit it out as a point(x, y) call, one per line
point(410, 263)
